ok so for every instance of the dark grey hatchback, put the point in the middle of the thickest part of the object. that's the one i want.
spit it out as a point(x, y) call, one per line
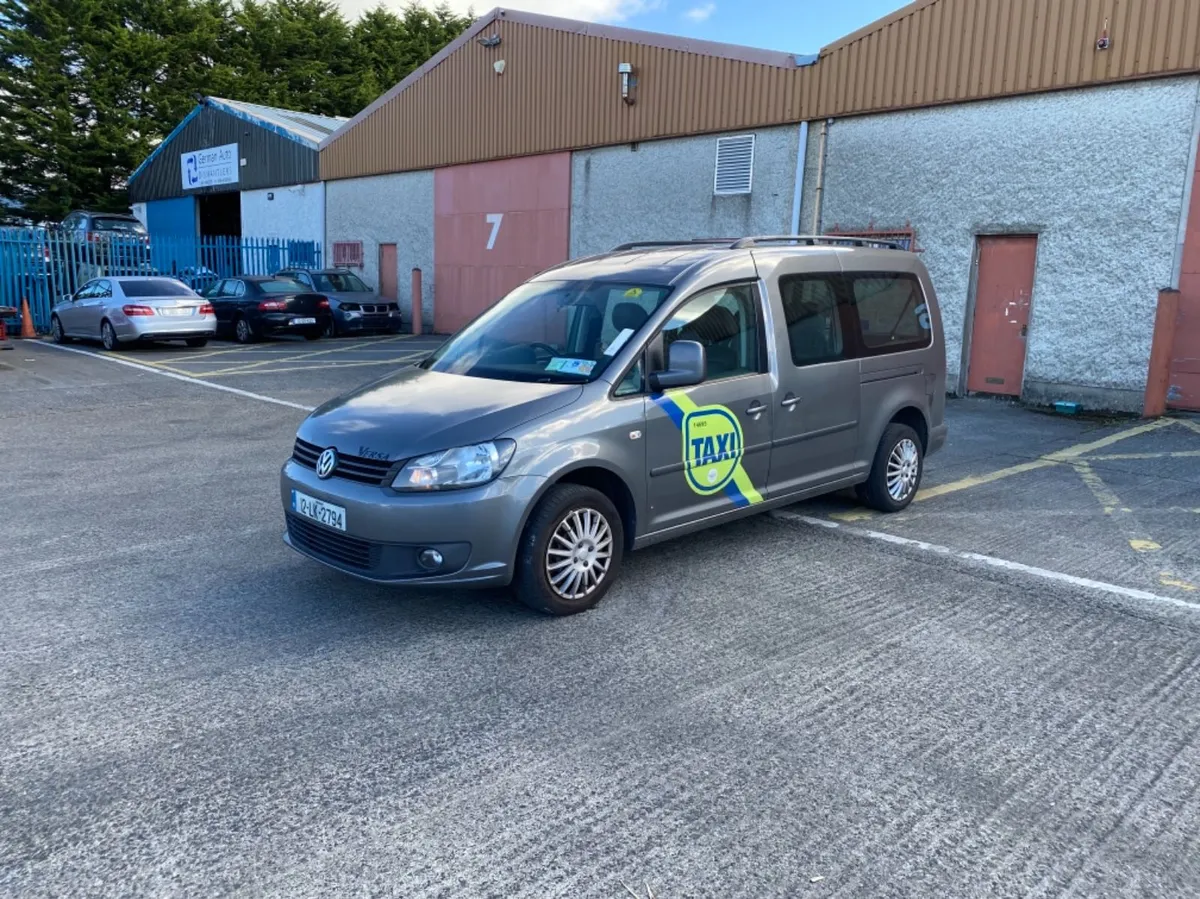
point(613, 402)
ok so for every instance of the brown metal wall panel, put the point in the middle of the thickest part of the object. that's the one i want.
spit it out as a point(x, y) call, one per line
point(560, 87)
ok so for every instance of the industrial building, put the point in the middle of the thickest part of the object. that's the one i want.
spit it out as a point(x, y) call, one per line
point(233, 170)
point(1041, 154)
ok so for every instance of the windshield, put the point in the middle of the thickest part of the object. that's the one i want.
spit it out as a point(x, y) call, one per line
point(128, 226)
point(339, 282)
point(156, 287)
point(551, 331)
point(282, 285)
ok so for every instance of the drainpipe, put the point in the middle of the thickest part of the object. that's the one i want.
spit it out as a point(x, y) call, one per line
point(820, 192)
point(798, 193)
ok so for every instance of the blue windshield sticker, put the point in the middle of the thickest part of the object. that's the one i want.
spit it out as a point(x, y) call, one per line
point(571, 366)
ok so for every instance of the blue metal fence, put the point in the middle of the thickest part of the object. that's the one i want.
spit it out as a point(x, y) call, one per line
point(43, 265)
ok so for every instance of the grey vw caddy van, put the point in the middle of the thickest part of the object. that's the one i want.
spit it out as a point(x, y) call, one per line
point(620, 400)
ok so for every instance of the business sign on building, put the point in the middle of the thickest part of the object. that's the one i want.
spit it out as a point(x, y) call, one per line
point(207, 168)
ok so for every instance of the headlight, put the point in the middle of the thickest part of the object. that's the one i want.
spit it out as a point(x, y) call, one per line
point(350, 313)
point(464, 466)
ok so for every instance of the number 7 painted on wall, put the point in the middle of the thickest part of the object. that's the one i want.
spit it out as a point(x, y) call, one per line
point(494, 219)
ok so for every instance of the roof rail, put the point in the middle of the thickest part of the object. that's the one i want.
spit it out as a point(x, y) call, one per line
point(651, 244)
point(813, 240)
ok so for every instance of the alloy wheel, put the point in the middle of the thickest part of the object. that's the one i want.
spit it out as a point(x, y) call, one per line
point(904, 465)
point(579, 553)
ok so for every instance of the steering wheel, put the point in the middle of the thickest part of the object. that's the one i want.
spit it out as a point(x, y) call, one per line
point(550, 351)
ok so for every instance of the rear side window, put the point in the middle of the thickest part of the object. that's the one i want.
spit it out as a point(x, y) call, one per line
point(892, 313)
point(814, 324)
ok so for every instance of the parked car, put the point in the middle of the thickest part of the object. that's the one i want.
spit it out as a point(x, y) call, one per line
point(255, 306)
point(116, 244)
point(617, 401)
point(117, 311)
point(354, 306)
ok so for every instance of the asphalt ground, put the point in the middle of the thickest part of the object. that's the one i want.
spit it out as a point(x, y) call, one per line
point(994, 693)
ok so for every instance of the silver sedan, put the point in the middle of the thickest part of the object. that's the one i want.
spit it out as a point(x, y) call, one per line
point(120, 311)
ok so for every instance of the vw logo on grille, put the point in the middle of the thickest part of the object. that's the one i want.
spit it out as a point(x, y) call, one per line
point(326, 463)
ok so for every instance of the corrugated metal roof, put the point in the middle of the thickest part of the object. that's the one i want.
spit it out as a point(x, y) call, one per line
point(559, 87)
point(306, 127)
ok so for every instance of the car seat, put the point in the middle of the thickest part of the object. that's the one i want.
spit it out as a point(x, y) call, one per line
point(718, 330)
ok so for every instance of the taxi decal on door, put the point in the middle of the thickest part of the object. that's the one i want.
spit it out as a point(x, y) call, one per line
point(713, 447)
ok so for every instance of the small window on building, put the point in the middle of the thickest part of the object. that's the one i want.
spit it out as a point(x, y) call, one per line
point(735, 165)
point(892, 312)
point(348, 253)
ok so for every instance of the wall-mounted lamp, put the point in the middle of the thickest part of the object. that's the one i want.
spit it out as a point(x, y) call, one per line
point(628, 82)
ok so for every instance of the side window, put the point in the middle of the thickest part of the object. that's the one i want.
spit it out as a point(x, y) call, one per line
point(632, 383)
point(103, 289)
point(85, 292)
point(304, 279)
point(892, 313)
point(814, 325)
point(726, 322)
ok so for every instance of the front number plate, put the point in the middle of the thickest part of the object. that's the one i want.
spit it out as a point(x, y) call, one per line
point(318, 510)
point(304, 321)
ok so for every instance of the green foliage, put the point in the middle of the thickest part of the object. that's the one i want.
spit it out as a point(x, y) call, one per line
point(89, 87)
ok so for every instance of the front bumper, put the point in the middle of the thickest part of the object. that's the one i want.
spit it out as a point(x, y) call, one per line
point(369, 322)
point(476, 530)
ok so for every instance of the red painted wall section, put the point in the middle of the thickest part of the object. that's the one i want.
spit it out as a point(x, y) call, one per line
point(1183, 385)
point(495, 225)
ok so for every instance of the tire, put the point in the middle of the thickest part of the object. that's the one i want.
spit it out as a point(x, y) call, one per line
point(331, 328)
point(899, 448)
point(57, 334)
point(108, 336)
point(243, 331)
point(196, 342)
point(569, 505)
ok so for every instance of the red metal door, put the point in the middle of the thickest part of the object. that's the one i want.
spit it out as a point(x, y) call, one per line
point(387, 271)
point(495, 225)
point(1003, 291)
point(1183, 385)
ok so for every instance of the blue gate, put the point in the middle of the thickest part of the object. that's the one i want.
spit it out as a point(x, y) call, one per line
point(44, 265)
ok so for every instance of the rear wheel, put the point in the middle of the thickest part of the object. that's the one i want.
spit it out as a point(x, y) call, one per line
point(570, 552)
point(331, 328)
point(896, 472)
point(108, 336)
point(56, 331)
point(196, 342)
point(243, 331)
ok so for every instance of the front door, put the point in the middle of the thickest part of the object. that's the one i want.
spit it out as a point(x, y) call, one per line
point(1003, 293)
point(91, 310)
point(388, 274)
point(69, 313)
point(708, 446)
point(815, 435)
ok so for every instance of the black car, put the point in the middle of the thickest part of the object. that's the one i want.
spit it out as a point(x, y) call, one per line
point(255, 306)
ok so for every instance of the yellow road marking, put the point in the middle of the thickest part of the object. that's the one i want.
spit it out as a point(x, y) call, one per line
point(1144, 546)
point(1099, 489)
point(1187, 423)
point(1169, 580)
point(979, 480)
point(231, 373)
point(161, 365)
point(1114, 457)
point(1074, 452)
point(301, 356)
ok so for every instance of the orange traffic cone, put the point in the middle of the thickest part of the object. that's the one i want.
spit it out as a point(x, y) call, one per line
point(27, 331)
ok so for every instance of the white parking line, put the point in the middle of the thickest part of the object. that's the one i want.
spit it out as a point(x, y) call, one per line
point(185, 378)
point(992, 561)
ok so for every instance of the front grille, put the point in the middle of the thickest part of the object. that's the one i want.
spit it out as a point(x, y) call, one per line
point(352, 468)
point(332, 545)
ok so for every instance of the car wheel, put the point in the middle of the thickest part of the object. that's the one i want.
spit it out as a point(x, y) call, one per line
point(108, 336)
point(196, 342)
point(896, 472)
point(570, 552)
point(57, 334)
point(331, 328)
point(242, 330)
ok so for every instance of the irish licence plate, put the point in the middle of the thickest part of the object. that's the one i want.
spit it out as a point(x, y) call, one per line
point(176, 310)
point(318, 510)
point(304, 321)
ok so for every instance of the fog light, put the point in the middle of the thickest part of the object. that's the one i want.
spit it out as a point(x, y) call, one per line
point(430, 558)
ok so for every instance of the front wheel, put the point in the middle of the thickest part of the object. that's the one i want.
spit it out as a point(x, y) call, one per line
point(896, 471)
point(108, 336)
point(570, 552)
point(57, 334)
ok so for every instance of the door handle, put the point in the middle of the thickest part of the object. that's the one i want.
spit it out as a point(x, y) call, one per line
point(756, 408)
point(790, 401)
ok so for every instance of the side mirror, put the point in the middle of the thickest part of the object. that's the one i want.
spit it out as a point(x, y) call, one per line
point(687, 364)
